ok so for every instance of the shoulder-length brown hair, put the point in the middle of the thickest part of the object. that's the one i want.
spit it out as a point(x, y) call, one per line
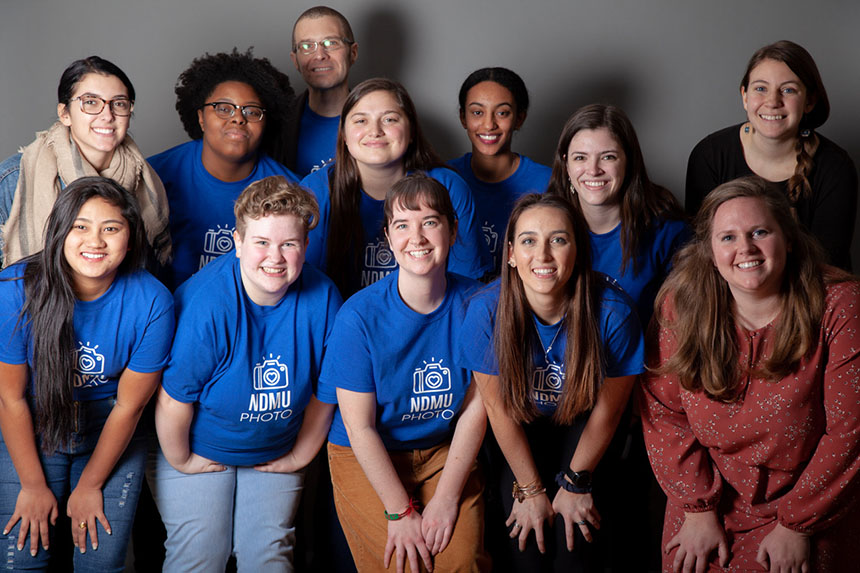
point(643, 202)
point(516, 338)
point(801, 63)
point(343, 258)
point(702, 313)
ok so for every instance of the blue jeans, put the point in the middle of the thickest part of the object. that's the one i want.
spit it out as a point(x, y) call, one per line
point(242, 510)
point(62, 471)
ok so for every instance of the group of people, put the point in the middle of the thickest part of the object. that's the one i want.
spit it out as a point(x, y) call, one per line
point(333, 280)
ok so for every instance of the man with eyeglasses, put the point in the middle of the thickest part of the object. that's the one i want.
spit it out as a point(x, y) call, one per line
point(323, 50)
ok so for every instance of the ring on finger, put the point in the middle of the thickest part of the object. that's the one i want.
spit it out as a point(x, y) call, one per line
point(583, 522)
point(82, 525)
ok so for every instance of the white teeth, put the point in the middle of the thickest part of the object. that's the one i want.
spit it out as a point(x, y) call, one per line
point(594, 184)
point(93, 256)
point(489, 138)
point(103, 130)
point(543, 271)
point(771, 117)
point(272, 271)
point(419, 254)
point(750, 264)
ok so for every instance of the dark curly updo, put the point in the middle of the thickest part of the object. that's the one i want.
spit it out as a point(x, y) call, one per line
point(205, 73)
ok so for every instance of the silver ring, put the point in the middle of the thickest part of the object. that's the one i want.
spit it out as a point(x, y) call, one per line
point(516, 525)
point(583, 522)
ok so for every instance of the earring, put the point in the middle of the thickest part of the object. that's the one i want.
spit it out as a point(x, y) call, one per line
point(572, 189)
point(746, 129)
point(511, 263)
point(805, 133)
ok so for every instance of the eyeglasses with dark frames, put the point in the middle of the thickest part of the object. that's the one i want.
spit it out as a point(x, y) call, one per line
point(226, 110)
point(93, 105)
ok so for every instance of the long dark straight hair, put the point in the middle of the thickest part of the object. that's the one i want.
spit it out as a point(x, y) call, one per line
point(643, 202)
point(516, 337)
point(343, 258)
point(49, 303)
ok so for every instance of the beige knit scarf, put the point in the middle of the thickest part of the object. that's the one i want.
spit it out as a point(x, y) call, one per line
point(53, 160)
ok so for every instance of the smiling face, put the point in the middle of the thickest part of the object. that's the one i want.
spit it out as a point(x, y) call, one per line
point(95, 247)
point(420, 240)
point(775, 100)
point(271, 253)
point(97, 136)
point(323, 70)
point(596, 165)
point(232, 140)
point(749, 248)
point(543, 252)
point(376, 131)
point(490, 118)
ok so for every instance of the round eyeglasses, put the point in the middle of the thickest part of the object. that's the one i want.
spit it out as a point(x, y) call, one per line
point(93, 105)
point(329, 45)
point(225, 110)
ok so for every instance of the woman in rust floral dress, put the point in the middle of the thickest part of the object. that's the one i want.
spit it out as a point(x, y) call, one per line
point(752, 408)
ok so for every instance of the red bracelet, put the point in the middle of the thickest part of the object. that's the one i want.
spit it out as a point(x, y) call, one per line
point(413, 505)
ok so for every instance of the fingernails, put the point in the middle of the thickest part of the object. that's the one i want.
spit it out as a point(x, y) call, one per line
point(83, 549)
point(5, 531)
point(33, 552)
point(20, 546)
point(109, 532)
point(95, 546)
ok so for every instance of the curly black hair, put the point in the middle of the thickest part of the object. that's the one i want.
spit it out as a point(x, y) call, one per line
point(208, 71)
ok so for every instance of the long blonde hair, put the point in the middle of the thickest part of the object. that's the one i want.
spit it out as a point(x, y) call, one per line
point(702, 318)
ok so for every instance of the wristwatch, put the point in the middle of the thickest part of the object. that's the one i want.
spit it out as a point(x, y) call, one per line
point(580, 482)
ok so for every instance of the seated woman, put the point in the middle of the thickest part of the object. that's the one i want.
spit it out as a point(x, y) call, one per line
point(553, 404)
point(751, 414)
point(785, 101)
point(493, 105)
point(634, 226)
point(95, 102)
point(84, 335)
point(235, 108)
point(236, 416)
point(403, 443)
point(379, 142)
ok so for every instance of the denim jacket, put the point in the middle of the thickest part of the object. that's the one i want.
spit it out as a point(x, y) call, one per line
point(9, 170)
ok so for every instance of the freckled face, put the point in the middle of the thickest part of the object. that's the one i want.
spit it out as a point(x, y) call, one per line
point(271, 254)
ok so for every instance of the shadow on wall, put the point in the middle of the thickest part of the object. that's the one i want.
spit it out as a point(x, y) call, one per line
point(383, 45)
point(544, 123)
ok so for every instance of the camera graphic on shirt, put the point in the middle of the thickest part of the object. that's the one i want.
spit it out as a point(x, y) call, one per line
point(89, 362)
point(432, 378)
point(271, 375)
point(379, 256)
point(548, 379)
point(218, 241)
point(490, 236)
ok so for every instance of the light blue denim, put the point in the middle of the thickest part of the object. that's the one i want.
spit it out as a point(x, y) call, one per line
point(62, 472)
point(240, 510)
point(9, 171)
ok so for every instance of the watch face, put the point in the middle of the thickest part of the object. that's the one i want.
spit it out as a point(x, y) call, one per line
point(582, 479)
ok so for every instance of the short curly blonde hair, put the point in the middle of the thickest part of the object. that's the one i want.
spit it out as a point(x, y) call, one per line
point(276, 196)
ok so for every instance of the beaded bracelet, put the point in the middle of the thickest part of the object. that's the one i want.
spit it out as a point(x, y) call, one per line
point(413, 506)
point(521, 492)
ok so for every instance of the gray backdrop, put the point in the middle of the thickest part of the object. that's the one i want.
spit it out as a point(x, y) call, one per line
point(674, 66)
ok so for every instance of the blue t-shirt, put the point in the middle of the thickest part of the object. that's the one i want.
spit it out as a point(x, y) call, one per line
point(382, 346)
point(201, 206)
point(495, 201)
point(468, 257)
point(654, 262)
point(620, 332)
point(317, 141)
point(129, 326)
point(248, 369)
